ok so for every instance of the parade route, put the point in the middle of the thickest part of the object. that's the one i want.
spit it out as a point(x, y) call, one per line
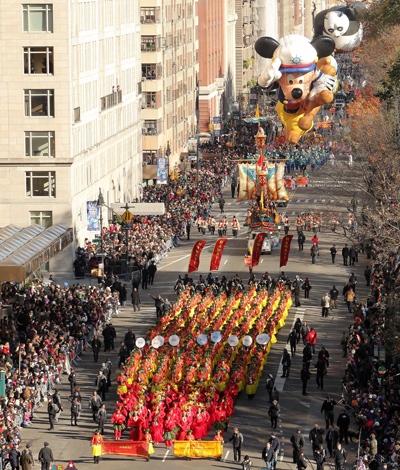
point(251, 416)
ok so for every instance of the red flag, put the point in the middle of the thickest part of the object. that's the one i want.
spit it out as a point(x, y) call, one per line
point(257, 248)
point(195, 256)
point(130, 448)
point(247, 261)
point(285, 249)
point(217, 254)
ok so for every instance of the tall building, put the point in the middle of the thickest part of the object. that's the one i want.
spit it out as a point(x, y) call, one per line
point(246, 35)
point(216, 59)
point(71, 119)
point(169, 56)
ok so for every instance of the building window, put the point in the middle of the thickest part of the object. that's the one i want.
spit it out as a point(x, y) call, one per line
point(150, 43)
point(39, 103)
point(39, 144)
point(149, 99)
point(43, 218)
point(149, 157)
point(152, 127)
point(151, 71)
point(38, 18)
point(149, 15)
point(40, 183)
point(38, 60)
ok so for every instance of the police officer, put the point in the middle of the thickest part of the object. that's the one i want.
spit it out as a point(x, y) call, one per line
point(343, 422)
point(75, 409)
point(327, 407)
point(46, 456)
point(51, 410)
point(298, 443)
point(72, 380)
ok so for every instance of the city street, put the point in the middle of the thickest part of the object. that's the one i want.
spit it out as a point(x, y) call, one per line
point(251, 416)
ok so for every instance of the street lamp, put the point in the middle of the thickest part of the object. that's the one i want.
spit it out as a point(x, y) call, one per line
point(100, 203)
point(167, 154)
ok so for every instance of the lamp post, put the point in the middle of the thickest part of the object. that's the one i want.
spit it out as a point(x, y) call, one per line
point(100, 203)
point(167, 154)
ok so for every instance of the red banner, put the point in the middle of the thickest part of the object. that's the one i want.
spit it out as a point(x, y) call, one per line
point(285, 249)
point(217, 254)
point(247, 261)
point(195, 256)
point(257, 248)
point(129, 448)
point(300, 181)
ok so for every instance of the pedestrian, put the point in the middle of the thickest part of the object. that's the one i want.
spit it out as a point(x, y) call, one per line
point(273, 413)
point(188, 228)
point(320, 457)
point(352, 255)
point(101, 417)
point(301, 461)
point(333, 251)
point(353, 281)
point(221, 203)
point(332, 438)
point(325, 304)
point(46, 456)
point(316, 437)
point(306, 287)
point(297, 327)
point(312, 339)
point(349, 297)
point(276, 447)
point(122, 354)
point(96, 443)
point(340, 457)
point(314, 253)
point(52, 411)
point(286, 363)
point(101, 384)
point(305, 377)
point(145, 277)
point(28, 449)
point(237, 441)
point(270, 386)
point(345, 254)
point(135, 299)
point(247, 463)
point(26, 460)
point(300, 240)
point(107, 335)
point(72, 380)
point(129, 341)
point(95, 404)
point(14, 456)
point(343, 344)
point(159, 302)
point(298, 443)
point(343, 422)
point(268, 456)
point(328, 408)
point(321, 371)
point(367, 274)
point(75, 409)
point(152, 271)
point(305, 329)
point(58, 404)
point(292, 339)
point(296, 291)
point(314, 239)
point(233, 188)
point(96, 346)
point(334, 294)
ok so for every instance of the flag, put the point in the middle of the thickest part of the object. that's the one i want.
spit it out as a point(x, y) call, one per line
point(257, 113)
point(247, 261)
point(197, 449)
point(130, 448)
point(257, 248)
point(247, 180)
point(285, 249)
point(195, 256)
point(217, 254)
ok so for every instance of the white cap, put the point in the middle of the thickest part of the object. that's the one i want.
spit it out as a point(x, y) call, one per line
point(296, 54)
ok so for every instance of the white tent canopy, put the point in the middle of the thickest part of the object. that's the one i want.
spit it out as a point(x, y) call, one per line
point(140, 208)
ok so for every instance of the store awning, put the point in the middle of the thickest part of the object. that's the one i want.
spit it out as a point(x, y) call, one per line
point(140, 208)
point(25, 250)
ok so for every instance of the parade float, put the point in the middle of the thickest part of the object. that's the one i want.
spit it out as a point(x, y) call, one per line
point(186, 374)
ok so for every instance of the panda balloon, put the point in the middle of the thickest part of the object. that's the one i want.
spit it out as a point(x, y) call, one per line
point(343, 24)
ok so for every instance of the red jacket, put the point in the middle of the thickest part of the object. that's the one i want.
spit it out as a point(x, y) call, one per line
point(312, 337)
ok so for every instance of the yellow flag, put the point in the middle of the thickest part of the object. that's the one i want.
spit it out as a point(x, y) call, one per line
point(197, 449)
point(257, 113)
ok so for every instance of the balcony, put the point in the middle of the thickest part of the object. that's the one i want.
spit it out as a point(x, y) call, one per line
point(248, 40)
point(111, 100)
point(151, 44)
point(149, 15)
point(151, 128)
point(151, 71)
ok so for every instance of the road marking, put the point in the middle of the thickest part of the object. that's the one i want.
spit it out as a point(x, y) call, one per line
point(169, 264)
point(332, 201)
point(323, 200)
point(307, 405)
point(315, 200)
point(165, 456)
point(306, 200)
point(229, 203)
point(225, 262)
point(226, 455)
point(262, 260)
point(280, 381)
point(281, 457)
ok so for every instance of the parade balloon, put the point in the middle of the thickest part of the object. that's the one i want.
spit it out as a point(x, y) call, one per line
point(302, 72)
point(216, 337)
point(233, 341)
point(140, 343)
point(202, 340)
point(247, 341)
point(342, 23)
point(262, 338)
point(174, 340)
point(157, 342)
point(66, 284)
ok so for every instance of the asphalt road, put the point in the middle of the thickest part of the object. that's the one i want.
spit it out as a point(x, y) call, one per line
point(297, 411)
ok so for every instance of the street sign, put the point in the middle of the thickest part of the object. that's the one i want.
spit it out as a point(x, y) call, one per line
point(127, 216)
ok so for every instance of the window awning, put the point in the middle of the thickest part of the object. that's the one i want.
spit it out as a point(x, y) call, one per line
point(24, 250)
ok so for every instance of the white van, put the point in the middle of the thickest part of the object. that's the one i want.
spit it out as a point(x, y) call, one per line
point(267, 244)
